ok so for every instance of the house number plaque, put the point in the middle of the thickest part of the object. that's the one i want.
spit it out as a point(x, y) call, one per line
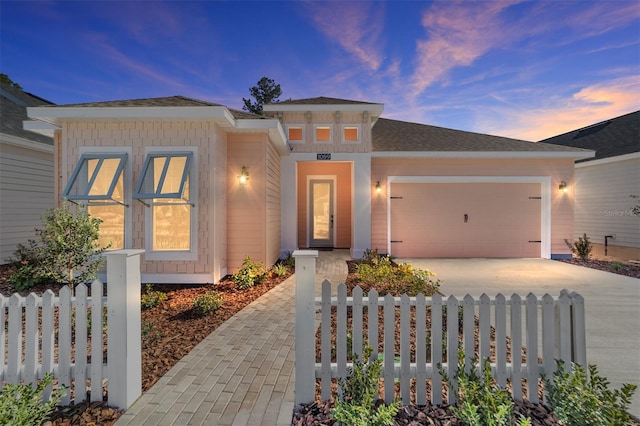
point(323, 156)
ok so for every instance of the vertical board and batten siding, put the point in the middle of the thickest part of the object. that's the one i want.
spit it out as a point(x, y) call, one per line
point(273, 197)
point(544, 327)
point(344, 196)
point(557, 169)
point(155, 133)
point(26, 192)
point(328, 118)
point(603, 203)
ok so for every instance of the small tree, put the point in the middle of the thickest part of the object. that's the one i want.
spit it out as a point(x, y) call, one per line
point(581, 248)
point(264, 92)
point(67, 249)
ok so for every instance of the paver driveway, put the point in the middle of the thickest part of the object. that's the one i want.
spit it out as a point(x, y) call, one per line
point(612, 303)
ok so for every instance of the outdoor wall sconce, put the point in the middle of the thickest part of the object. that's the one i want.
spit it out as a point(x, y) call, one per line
point(378, 187)
point(244, 176)
point(563, 187)
point(308, 115)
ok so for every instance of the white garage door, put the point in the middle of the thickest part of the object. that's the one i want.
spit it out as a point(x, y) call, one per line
point(465, 220)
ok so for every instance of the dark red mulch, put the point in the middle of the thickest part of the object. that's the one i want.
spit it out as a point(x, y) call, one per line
point(319, 413)
point(620, 268)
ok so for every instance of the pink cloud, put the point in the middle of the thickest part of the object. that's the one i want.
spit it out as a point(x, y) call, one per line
point(458, 33)
point(588, 105)
point(355, 26)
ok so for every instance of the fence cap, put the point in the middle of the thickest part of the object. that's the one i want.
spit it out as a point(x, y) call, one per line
point(125, 252)
point(305, 253)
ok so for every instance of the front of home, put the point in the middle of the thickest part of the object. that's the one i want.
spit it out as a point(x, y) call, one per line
point(200, 186)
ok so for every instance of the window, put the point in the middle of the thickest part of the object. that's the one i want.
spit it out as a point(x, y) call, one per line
point(351, 134)
point(295, 133)
point(165, 186)
point(322, 134)
point(98, 180)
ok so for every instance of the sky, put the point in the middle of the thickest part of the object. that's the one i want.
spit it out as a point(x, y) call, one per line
point(523, 69)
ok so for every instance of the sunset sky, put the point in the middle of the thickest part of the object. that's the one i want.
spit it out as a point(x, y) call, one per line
point(523, 69)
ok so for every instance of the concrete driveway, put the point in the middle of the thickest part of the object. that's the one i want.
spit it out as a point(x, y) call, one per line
point(612, 303)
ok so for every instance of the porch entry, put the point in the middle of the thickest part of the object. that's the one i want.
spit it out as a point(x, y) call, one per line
point(321, 212)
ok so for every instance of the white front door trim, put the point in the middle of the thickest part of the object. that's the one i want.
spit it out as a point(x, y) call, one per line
point(545, 192)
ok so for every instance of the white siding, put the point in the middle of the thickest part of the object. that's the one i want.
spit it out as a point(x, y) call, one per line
point(603, 203)
point(26, 192)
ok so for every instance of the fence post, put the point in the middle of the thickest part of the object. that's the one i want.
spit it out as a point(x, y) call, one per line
point(305, 385)
point(124, 347)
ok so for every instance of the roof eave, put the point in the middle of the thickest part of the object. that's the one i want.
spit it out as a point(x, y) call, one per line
point(373, 109)
point(574, 155)
point(58, 115)
point(273, 128)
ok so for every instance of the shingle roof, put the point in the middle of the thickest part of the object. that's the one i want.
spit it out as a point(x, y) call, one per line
point(322, 100)
point(610, 138)
point(394, 135)
point(169, 101)
point(13, 111)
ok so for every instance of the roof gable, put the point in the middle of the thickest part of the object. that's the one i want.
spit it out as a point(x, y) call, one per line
point(13, 111)
point(610, 138)
point(321, 100)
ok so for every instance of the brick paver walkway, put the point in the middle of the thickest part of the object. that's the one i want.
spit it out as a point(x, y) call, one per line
point(243, 372)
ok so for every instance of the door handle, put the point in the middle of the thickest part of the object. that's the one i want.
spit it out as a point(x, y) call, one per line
point(466, 218)
point(331, 221)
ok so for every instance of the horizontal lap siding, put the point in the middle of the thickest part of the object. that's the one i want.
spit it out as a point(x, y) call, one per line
point(26, 192)
point(246, 207)
point(140, 135)
point(603, 202)
point(558, 170)
point(273, 225)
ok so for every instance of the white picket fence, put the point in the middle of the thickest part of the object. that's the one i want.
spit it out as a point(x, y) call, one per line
point(55, 334)
point(545, 327)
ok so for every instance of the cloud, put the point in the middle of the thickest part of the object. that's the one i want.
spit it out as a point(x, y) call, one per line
point(586, 106)
point(457, 34)
point(355, 26)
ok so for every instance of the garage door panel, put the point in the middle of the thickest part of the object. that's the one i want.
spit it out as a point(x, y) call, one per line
point(465, 220)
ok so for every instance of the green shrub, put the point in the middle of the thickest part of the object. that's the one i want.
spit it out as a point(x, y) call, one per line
point(151, 298)
point(389, 278)
point(209, 302)
point(370, 254)
point(359, 393)
point(288, 260)
point(149, 334)
point(67, 250)
point(250, 274)
point(280, 269)
point(480, 402)
point(581, 248)
point(22, 405)
point(579, 397)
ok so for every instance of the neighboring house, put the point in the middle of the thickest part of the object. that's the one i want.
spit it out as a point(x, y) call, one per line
point(605, 184)
point(26, 171)
point(200, 186)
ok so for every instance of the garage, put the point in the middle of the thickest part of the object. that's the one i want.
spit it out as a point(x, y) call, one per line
point(465, 219)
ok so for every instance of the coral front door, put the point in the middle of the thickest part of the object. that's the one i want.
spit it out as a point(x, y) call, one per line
point(321, 213)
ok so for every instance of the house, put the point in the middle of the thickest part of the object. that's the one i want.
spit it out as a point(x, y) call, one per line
point(605, 184)
point(200, 186)
point(26, 171)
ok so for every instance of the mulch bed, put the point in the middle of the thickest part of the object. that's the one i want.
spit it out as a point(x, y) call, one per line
point(621, 268)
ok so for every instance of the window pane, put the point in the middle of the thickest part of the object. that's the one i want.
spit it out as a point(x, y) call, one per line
point(93, 177)
point(171, 226)
point(173, 179)
point(295, 133)
point(351, 134)
point(112, 226)
point(323, 133)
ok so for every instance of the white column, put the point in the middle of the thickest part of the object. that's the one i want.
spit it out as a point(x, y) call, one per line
point(124, 347)
point(305, 326)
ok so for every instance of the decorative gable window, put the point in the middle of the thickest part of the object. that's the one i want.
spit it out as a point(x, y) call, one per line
point(166, 187)
point(350, 134)
point(295, 133)
point(322, 134)
point(98, 182)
